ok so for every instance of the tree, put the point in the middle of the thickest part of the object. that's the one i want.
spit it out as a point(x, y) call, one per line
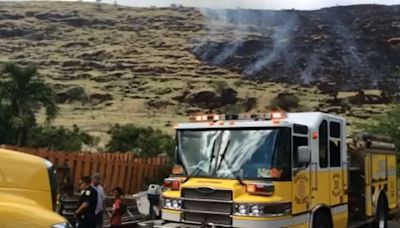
point(59, 138)
point(286, 101)
point(22, 92)
point(144, 141)
point(7, 134)
point(387, 124)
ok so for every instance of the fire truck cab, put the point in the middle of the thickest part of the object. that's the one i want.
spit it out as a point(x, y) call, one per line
point(277, 170)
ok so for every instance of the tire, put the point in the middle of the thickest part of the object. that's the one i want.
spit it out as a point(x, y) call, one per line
point(321, 220)
point(381, 216)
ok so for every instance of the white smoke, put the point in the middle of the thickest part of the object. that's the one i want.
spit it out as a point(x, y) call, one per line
point(280, 41)
point(307, 74)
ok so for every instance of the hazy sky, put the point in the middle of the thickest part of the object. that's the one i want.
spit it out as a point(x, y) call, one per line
point(264, 4)
point(259, 4)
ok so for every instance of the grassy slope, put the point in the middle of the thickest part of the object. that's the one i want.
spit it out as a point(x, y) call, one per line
point(151, 44)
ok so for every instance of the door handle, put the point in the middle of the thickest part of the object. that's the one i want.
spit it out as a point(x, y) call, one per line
point(315, 164)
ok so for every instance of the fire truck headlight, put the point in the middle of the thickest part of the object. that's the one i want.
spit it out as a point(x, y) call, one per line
point(172, 204)
point(266, 210)
point(242, 209)
point(256, 210)
point(176, 204)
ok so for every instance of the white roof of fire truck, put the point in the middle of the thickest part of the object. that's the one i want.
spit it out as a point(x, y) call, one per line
point(273, 119)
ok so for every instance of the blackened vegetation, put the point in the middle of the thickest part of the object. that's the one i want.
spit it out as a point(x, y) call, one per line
point(349, 48)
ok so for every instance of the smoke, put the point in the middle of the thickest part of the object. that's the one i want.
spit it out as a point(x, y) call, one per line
point(280, 41)
point(307, 74)
point(220, 25)
point(355, 61)
point(229, 30)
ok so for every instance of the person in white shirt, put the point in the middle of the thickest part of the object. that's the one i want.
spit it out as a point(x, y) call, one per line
point(96, 180)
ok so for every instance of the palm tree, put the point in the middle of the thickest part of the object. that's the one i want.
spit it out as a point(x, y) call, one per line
point(23, 92)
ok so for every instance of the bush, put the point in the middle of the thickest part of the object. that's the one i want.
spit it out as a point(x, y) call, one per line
point(232, 109)
point(285, 101)
point(220, 86)
point(77, 94)
point(7, 133)
point(249, 103)
point(143, 141)
point(238, 83)
point(59, 138)
point(387, 124)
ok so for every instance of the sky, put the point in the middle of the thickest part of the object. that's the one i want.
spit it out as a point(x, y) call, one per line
point(254, 4)
point(259, 4)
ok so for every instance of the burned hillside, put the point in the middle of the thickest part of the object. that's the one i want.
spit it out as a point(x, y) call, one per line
point(352, 47)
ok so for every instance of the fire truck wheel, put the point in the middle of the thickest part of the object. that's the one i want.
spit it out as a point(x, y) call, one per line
point(381, 213)
point(321, 220)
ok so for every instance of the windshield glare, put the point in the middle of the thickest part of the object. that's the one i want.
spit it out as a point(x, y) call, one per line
point(230, 153)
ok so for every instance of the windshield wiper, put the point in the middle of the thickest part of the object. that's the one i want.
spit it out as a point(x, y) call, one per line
point(223, 154)
point(198, 167)
point(229, 165)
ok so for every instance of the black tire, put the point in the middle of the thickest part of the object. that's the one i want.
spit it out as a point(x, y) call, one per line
point(321, 220)
point(381, 216)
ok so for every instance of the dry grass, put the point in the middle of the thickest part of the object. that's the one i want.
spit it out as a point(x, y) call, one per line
point(157, 51)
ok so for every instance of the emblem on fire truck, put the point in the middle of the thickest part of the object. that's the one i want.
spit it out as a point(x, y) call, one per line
point(301, 196)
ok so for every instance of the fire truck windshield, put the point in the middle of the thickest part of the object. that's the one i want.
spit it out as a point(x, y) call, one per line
point(229, 153)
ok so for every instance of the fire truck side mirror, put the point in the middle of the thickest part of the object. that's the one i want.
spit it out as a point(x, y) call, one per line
point(304, 155)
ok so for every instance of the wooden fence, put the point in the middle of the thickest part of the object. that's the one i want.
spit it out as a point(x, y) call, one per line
point(124, 170)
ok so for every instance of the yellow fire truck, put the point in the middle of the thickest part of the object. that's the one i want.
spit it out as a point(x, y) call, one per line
point(294, 170)
point(28, 190)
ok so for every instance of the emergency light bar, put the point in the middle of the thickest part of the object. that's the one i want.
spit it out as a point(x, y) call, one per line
point(246, 116)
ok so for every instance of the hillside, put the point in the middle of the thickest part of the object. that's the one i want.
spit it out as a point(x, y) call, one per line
point(352, 47)
point(154, 66)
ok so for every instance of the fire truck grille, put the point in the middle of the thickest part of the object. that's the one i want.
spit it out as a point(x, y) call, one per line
point(207, 206)
point(219, 220)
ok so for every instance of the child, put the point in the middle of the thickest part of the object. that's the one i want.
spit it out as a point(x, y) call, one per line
point(117, 209)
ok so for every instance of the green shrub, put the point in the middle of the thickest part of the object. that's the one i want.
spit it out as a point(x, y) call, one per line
point(59, 138)
point(238, 83)
point(77, 94)
point(219, 86)
point(387, 124)
point(232, 109)
point(285, 101)
point(143, 141)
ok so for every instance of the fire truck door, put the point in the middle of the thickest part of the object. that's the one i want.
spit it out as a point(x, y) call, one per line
point(301, 178)
point(336, 174)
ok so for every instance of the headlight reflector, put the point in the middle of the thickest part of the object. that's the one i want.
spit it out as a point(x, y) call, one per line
point(242, 209)
point(266, 210)
point(172, 204)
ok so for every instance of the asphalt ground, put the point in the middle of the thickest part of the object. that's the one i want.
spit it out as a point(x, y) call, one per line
point(393, 224)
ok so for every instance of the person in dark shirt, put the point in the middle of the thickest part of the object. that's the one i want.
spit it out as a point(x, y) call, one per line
point(68, 204)
point(87, 204)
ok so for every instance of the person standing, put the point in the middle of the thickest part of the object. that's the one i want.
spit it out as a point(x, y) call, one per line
point(68, 204)
point(87, 204)
point(117, 209)
point(96, 184)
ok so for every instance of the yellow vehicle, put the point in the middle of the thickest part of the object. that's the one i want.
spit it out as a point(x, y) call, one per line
point(277, 170)
point(28, 189)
